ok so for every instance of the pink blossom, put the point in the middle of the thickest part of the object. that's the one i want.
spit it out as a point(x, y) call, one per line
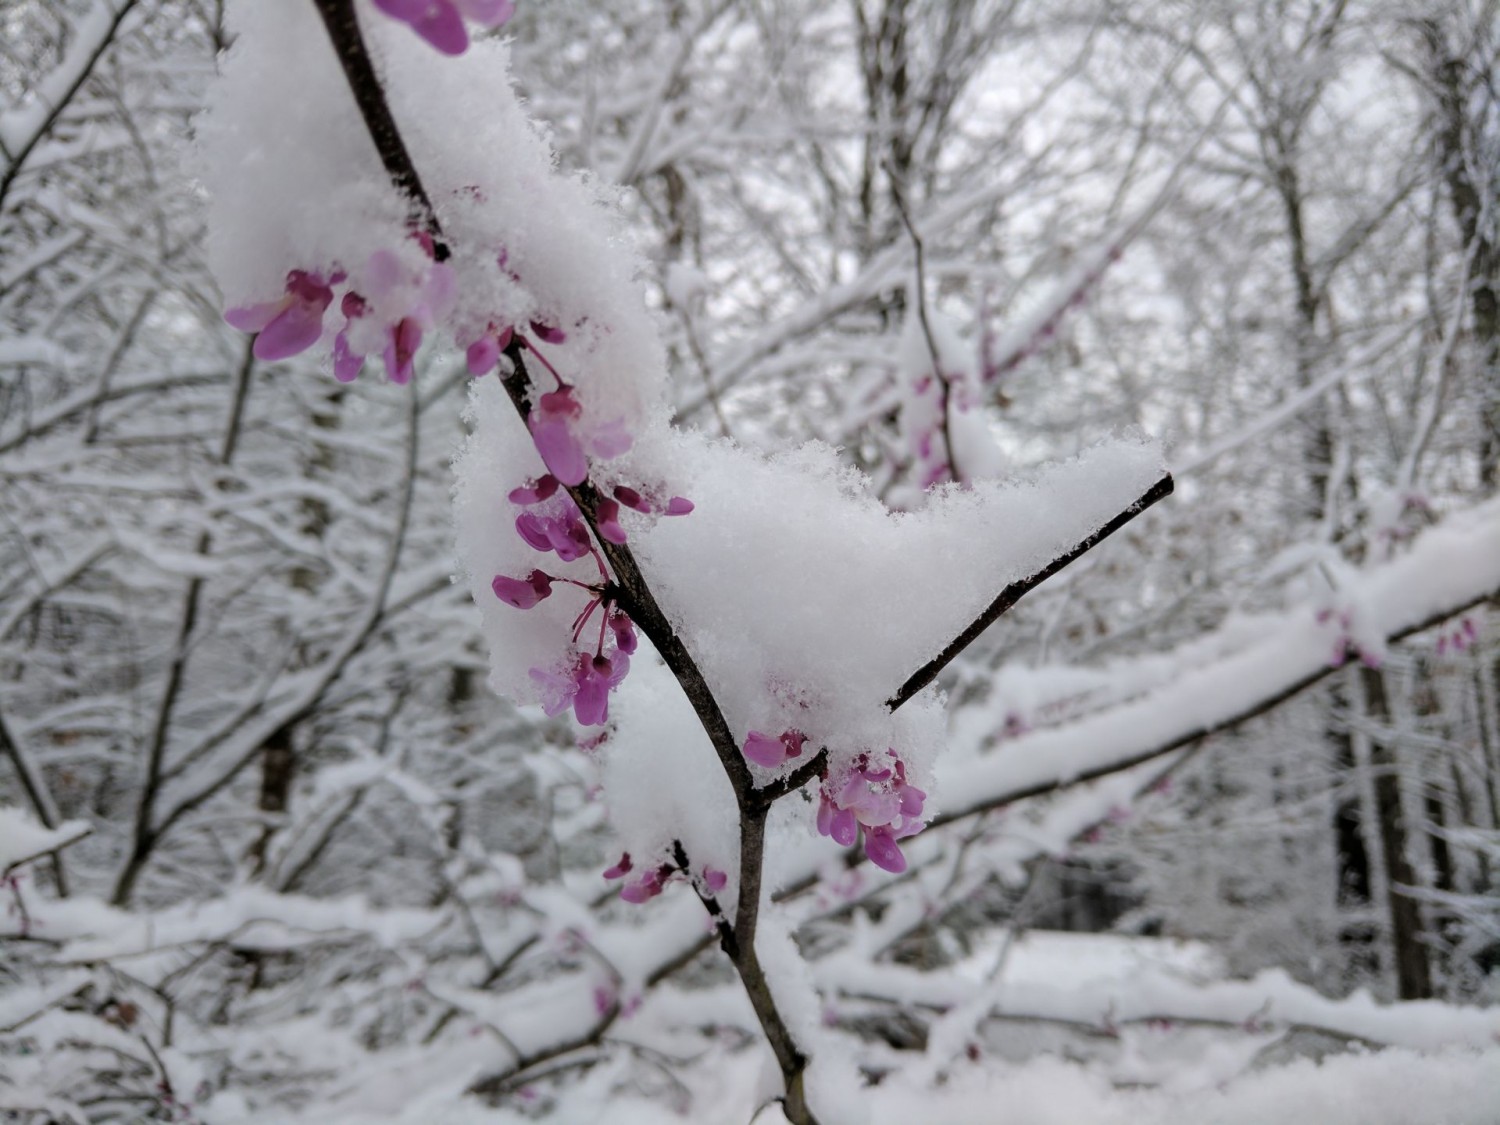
point(547, 332)
point(714, 880)
point(552, 424)
point(768, 751)
point(585, 686)
point(401, 349)
point(534, 491)
point(600, 676)
point(884, 852)
point(566, 442)
point(482, 355)
point(441, 22)
point(522, 593)
point(620, 869)
point(607, 515)
point(644, 887)
point(624, 632)
point(633, 498)
point(556, 527)
point(397, 306)
point(291, 324)
point(877, 799)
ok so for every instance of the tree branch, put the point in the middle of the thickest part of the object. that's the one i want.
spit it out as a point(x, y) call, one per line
point(1013, 593)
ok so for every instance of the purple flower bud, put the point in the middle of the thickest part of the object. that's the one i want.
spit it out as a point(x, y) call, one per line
point(347, 364)
point(883, 850)
point(608, 514)
point(714, 880)
point(624, 631)
point(843, 828)
point(643, 889)
point(532, 528)
point(764, 750)
point(534, 491)
point(548, 332)
point(401, 348)
point(619, 870)
point(551, 425)
point(679, 506)
point(912, 800)
point(522, 593)
point(631, 498)
point(826, 812)
point(290, 325)
point(482, 356)
point(437, 21)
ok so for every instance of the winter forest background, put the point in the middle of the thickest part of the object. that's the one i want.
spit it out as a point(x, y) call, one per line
point(1214, 834)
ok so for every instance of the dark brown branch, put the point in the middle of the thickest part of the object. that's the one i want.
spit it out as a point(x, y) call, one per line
point(710, 904)
point(1019, 589)
point(1195, 736)
point(789, 783)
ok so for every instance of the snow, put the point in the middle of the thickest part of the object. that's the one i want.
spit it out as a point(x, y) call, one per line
point(23, 839)
point(1213, 682)
point(256, 918)
point(295, 183)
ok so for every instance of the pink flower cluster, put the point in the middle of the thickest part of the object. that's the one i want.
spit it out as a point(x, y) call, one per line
point(398, 303)
point(584, 680)
point(873, 797)
point(1460, 637)
point(441, 22)
point(1345, 645)
point(650, 882)
point(923, 424)
point(551, 522)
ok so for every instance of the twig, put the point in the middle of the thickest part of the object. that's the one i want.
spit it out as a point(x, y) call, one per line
point(899, 197)
point(1018, 589)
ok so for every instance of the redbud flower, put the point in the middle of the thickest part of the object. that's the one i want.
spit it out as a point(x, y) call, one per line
point(599, 676)
point(291, 324)
point(643, 888)
point(441, 22)
point(878, 801)
point(608, 516)
point(585, 687)
point(565, 442)
point(534, 491)
point(551, 425)
point(484, 353)
point(522, 593)
point(881, 847)
point(559, 528)
point(620, 869)
point(624, 630)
